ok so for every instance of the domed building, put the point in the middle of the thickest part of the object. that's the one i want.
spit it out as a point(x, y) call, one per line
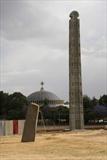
point(45, 97)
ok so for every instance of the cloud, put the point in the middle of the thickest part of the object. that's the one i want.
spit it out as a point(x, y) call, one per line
point(21, 22)
point(94, 76)
point(34, 45)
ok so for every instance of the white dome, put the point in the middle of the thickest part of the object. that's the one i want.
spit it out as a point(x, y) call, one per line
point(42, 95)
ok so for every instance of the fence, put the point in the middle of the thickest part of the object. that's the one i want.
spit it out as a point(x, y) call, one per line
point(11, 127)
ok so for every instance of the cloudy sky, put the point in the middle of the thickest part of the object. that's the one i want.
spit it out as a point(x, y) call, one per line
point(34, 45)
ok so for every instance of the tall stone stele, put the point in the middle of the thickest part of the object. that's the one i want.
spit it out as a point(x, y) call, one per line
point(76, 120)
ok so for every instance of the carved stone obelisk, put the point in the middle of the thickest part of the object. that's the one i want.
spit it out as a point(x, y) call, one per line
point(76, 120)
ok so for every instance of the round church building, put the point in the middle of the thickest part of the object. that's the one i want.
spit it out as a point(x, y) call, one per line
point(44, 97)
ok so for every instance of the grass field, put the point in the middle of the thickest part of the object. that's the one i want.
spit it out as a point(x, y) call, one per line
point(74, 145)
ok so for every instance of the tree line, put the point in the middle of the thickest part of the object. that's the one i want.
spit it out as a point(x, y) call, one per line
point(14, 106)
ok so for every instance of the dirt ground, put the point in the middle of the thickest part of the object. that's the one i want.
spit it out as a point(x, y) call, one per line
point(74, 145)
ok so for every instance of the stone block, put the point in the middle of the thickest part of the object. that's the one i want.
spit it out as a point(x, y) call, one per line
point(30, 125)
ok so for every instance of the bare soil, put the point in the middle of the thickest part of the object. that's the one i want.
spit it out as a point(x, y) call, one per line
point(74, 145)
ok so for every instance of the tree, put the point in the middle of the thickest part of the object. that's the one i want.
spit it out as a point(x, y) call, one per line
point(63, 113)
point(17, 106)
point(45, 102)
point(103, 100)
point(55, 115)
point(12, 106)
point(88, 109)
point(94, 102)
point(3, 104)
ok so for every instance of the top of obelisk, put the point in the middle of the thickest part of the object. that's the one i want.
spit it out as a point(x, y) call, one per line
point(74, 14)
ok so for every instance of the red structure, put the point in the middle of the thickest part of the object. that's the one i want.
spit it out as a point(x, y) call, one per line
point(15, 126)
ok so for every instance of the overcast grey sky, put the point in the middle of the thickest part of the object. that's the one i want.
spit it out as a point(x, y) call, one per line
point(34, 45)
